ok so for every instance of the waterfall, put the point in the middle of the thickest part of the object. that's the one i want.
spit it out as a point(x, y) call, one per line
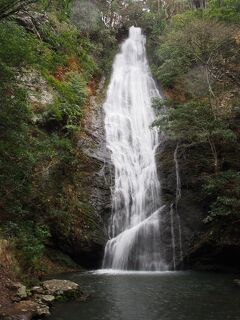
point(178, 197)
point(173, 236)
point(175, 218)
point(134, 231)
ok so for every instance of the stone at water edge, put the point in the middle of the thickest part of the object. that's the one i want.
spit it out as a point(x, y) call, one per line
point(39, 301)
point(48, 298)
point(37, 290)
point(61, 287)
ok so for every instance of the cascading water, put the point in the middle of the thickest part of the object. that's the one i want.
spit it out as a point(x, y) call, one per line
point(135, 238)
point(176, 228)
point(178, 197)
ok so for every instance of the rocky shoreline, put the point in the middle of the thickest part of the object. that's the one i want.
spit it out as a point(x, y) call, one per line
point(36, 302)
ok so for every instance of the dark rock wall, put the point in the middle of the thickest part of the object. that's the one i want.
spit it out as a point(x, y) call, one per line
point(187, 212)
point(214, 246)
point(84, 239)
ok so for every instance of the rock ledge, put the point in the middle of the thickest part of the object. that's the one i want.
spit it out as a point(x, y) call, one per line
point(36, 301)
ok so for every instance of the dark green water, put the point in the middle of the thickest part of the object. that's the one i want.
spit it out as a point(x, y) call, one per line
point(166, 296)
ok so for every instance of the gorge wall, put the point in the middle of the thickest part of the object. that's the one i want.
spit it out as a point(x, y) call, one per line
point(84, 241)
point(203, 246)
point(212, 246)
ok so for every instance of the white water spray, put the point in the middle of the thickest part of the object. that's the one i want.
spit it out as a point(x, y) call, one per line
point(135, 239)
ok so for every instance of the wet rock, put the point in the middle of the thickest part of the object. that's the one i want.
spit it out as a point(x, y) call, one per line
point(43, 310)
point(216, 250)
point(215, 246)
point(188, 216)
point(43, 299)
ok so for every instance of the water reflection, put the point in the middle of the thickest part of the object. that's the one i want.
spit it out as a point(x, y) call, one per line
point(166, 296)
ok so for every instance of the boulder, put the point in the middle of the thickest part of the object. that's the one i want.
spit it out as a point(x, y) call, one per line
point(62, 288)
point(48, 298)
point(22, 291)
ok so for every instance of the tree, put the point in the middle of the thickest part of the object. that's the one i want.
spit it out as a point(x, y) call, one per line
point(224, 191)
point(191, 42)
point(195, 123)
point(86, 15)
point(227, 10)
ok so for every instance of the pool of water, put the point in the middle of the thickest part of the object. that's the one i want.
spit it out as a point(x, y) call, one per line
point(152, 296)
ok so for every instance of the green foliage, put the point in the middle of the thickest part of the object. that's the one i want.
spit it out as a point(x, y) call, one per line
point(30, 240)
point(196, 45)
point(86, 15)
point(224, 190)
point(16, 161)
point(61, 8)
point(227, 10)
point(197, 123)
point(38, 141)
point(104, 49)
point(72, 95)
point(64, 44)
point(17, 48)
point(100, 40)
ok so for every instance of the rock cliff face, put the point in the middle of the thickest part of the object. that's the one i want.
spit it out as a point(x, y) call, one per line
point(85, 238)
point(188, 242)
point(92, 145)
point(182, 220)
point(214, 246)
